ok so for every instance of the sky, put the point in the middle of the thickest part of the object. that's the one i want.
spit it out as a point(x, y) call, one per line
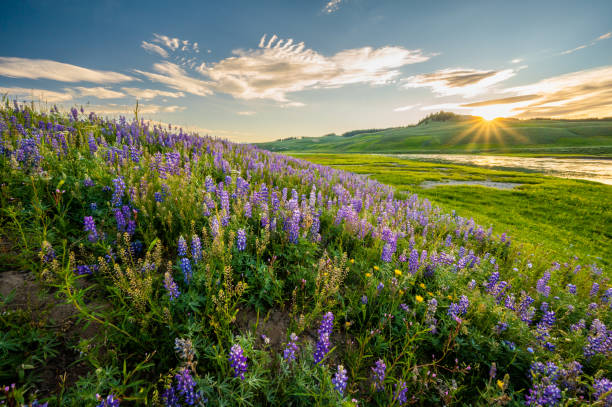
point(257, 71)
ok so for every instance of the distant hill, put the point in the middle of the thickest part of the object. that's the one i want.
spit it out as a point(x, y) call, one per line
point(451, 133)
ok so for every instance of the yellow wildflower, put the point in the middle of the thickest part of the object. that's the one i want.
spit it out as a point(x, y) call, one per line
point(376, 268)
point(423, 286)
point(352, 261)
point(419, 298)
point(500, 384)
point(398, 272)
point(430, 293)
point(368, 274)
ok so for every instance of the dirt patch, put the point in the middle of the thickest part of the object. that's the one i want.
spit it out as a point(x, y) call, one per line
point(273, 325)
point(42, 307)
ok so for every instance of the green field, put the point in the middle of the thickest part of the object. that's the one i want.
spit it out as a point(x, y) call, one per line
point(463, 134)
point(564, 216)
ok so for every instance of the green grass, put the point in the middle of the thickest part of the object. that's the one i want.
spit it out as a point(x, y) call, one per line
point(538, 136)
point(560, 215)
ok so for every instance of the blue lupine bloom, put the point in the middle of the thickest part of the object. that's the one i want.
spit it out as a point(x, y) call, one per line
point(340, 379)
point(118, 191)
point(241, 240)
point(401, 391)
point(90, 226)
point(186, 269)
point(185, 384)
point(379, 371)
point(323, 344)
point(290, 352)
point(456, 310)
point(603, 387)
point(196, 248)
point(182, 247)
point(171, 287)
point(109, 401)
point(238, 361)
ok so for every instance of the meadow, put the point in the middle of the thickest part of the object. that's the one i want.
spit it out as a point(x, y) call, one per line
point(449, 133)
point(564, 216)
point(141, 265)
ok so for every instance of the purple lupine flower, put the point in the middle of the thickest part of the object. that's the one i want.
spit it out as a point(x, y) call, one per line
point(603, 387)
point(340, 379)
point(543, 395)
point(459, 309)
point(571, 288)
point(599, 340)
point(186, 269)
point(119, 190)
point(196, 248)
point(401, 391)
point(171, 287)
point(594, 290)
point(323, 344)
point(500, 327)
point(90, 226)
point(289, 354)
point(364, 299)
point(238, 361)
point(109, 401)
point(387, 253)
point(542, 286)
point(413, 261)
point(186, 385)
point(380, 286)
point(241, 240)
point(182, 247)
point(379, 371)
point(170, 398)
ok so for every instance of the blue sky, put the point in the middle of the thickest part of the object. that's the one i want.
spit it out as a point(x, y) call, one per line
point(266, 70)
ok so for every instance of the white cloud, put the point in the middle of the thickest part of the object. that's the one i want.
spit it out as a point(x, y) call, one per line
point(58, 71)
point(517, 60)
point(293, 104)
point(246, 113)
point(113, 108)
point(36, 95)
point(331, 6)
point(147, 94)
point(580, 94)
point(175, 77)
point(279, 67)
point(590, 44)
point(172, 43)
point(459, 81)
point(154, 48)
point(99, 92)
point(404, 108)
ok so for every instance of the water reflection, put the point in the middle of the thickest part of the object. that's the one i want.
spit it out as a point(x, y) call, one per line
point(592, 169)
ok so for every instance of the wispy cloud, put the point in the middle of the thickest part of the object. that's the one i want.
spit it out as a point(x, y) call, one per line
point(278, 67)
point(517, 60)
point(459, 81)
point(147, 94)
point(37, 95)
point(246, 113)
point(590, 44)
point(113, 108)
point(154, 48)
point(99, 92)
point(404, 108)
point(580, 94)
point(13, 67)
point(331, 6)
point(175, 77)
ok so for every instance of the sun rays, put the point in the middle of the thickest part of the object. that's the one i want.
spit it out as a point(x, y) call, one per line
point(487, 131)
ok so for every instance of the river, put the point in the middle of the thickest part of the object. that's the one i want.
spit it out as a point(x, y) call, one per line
point(592, 169)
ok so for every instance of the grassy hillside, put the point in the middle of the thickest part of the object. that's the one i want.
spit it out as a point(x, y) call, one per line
point(140, 265)
point(466, 134)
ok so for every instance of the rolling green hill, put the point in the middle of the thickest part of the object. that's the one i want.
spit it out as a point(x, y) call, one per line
point(452, 133)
